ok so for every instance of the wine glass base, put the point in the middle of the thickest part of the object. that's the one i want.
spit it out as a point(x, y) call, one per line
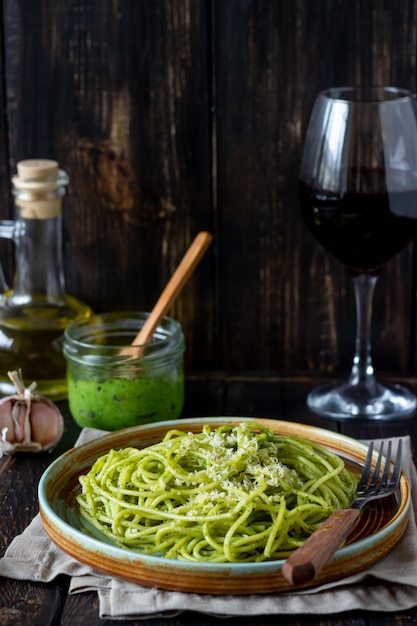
point(353, 402)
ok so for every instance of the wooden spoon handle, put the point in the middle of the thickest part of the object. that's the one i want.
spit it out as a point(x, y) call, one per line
point(173, 288)
point(309, 559)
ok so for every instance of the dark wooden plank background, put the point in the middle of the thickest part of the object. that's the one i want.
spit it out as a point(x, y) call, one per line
point(173, 116)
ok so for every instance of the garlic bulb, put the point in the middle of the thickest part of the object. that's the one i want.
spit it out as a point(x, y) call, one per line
point(28, 423)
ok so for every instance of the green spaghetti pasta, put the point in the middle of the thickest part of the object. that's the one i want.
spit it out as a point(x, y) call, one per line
point(232, 494)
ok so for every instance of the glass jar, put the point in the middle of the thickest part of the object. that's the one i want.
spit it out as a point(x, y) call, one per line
point(112, 384)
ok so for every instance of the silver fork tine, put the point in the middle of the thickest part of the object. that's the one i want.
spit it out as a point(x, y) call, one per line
point(384, 477)
point(396, 474)
point(377, 467)
point(367, 466)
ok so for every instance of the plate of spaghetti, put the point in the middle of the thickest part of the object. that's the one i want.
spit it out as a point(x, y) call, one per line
point(213, 505)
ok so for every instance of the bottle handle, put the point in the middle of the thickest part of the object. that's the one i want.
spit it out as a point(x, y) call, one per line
point(7, 231)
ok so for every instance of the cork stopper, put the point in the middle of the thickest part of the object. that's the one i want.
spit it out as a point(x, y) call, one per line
point(37, 168)
point(39, 187)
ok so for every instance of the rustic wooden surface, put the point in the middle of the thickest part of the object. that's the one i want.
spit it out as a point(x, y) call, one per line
point(259, 395)
point(172, 116)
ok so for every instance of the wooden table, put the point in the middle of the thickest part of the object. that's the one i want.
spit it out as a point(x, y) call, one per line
point(252, 394)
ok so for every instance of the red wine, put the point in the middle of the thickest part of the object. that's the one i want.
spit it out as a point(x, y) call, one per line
point(362, 230)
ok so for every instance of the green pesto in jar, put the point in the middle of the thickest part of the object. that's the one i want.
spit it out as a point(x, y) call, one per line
point(133, 402)
point(114, 385)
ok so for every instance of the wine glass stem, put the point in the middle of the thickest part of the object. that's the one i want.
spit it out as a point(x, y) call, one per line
point(362, 373)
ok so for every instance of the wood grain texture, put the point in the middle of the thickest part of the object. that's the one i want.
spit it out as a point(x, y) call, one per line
point(117, 92)
point(299, 304)
point(174, 116)
point(308, 560)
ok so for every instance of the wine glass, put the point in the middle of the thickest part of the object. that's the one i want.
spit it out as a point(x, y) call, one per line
point(358, 196)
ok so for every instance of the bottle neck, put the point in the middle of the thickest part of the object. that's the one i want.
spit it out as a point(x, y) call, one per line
point(39, 269)
point(38, 190)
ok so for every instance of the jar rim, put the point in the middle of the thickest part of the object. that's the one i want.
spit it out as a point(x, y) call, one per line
point(85, 337)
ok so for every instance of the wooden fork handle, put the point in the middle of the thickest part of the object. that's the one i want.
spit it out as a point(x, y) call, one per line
point(309, 559)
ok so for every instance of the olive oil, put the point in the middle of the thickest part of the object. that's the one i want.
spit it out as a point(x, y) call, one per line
point(35, 311)
point(31, 339)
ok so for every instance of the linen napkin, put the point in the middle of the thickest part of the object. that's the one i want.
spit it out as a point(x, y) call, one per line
point(388, 585)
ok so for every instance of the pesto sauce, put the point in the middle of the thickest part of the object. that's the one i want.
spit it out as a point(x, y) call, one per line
point(120, 403)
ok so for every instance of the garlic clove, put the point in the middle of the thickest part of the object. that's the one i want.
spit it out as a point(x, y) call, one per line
point(46, 422)
point(28, 423)
point(19, 416)
point(6, 420)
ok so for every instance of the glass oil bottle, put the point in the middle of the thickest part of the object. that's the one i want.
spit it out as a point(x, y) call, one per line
point(35, 310)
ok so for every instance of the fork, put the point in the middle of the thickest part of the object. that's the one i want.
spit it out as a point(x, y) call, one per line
point(308, 560)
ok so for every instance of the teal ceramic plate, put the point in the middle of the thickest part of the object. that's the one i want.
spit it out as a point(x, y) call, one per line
point(381, 527)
